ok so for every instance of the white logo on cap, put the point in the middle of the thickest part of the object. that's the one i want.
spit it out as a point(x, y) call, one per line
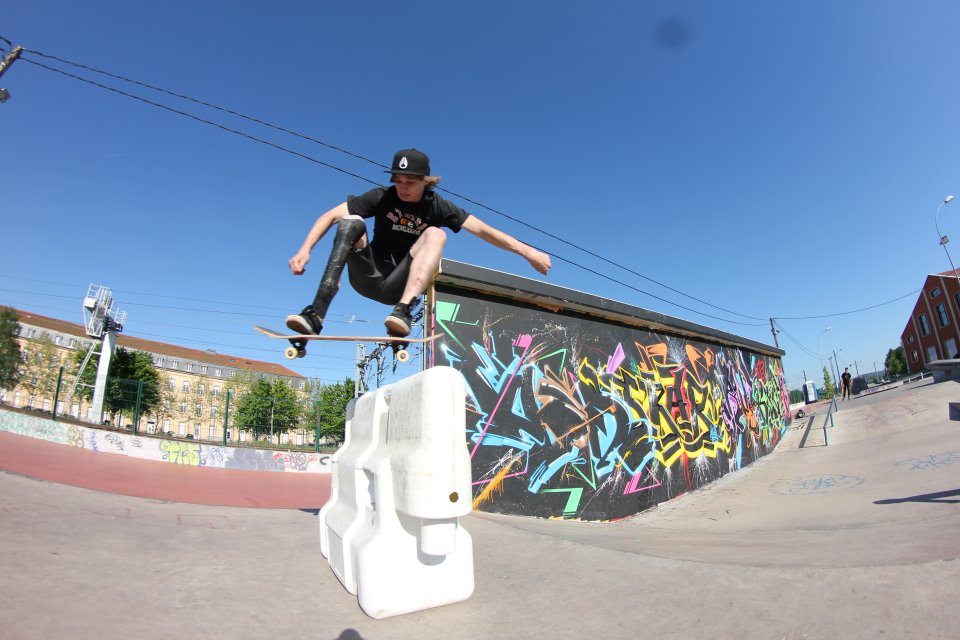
point(403, 162)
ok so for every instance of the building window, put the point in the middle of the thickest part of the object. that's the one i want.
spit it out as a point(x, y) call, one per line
point(183, 428)
point(203, 369)
point(932, 353)
point(942, 315)
point(213, 413)
point(166, 427)
point(198, 410)
point(212, 433)
point(167, 406)
point(913, 355)
point(186, 386)
point(232, 373)
point(935, 292)
point(171, 385)
point(924, 325)
point(215, 392)
point(73, 343)
point(59, 340)
point(159, 362)
point(183, 407)
point(909, 339)
point(219, 372)
point(957, 298)
point(173, 364)
point(301, 385)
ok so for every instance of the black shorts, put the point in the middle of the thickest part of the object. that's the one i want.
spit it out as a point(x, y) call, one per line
point(378, 277)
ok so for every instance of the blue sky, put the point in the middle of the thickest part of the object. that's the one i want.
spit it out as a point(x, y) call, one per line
point(773, 159)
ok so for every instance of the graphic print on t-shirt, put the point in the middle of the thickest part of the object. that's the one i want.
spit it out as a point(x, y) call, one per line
point(406, 223)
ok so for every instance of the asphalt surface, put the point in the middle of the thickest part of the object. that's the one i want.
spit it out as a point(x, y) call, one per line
point(858, 539)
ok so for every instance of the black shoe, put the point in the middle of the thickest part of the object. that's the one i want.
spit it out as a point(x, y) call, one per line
point(306, 322)
point(399, 321)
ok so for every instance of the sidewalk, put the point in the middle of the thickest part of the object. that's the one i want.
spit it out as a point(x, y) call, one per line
point(856, 540)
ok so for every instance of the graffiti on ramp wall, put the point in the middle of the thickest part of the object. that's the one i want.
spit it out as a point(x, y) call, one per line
point(578, 418)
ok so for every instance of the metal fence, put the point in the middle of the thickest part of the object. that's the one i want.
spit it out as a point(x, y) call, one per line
point(145, 409)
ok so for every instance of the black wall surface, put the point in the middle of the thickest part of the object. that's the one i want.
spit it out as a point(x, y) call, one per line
point(577, 417)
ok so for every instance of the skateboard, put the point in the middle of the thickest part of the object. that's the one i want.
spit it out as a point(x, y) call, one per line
point(298, 342)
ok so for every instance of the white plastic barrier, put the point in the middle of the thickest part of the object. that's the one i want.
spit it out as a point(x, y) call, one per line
point(350, 507)
point(400, 483)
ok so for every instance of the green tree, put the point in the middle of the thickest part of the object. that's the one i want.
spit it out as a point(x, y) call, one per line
point(41, 367)
point(11, 358)
point(796, 395)
point(896, 362)
point(269, 407)
point(331, 406)
point(127, 370)
point(828, 390)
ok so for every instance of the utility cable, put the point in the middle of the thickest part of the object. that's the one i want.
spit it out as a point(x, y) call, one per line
point(846, 313)
point(358, 156)
point(797, 342)
point(201, 120)
point(378, 164)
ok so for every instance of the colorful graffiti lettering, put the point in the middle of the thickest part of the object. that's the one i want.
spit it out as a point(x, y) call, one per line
point(570, 417)
point(182, 453)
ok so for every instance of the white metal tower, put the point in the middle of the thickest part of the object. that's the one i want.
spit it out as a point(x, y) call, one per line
point(102, 322)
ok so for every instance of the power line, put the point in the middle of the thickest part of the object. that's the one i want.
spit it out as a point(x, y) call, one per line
point(341, 150)
point(378, 164)
point(199, 119)
point(846, 313)
point(796, 342)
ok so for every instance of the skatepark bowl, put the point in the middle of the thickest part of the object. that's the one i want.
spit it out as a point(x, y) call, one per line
point(858, 539)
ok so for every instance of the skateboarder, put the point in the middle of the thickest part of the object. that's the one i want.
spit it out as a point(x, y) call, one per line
point(399, 262)
point(845, 382)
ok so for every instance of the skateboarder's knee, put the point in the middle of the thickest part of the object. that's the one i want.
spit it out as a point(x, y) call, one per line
point(350, 230)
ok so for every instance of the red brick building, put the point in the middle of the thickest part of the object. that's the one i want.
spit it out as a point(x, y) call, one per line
point(933, 331)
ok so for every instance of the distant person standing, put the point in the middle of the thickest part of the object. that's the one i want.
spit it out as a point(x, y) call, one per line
point(845, 380)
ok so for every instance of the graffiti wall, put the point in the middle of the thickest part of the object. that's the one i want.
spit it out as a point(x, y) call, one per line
point(576, 417)
point(180, 452)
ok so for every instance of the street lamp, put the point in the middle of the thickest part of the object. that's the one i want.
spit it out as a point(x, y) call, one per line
point(944, 239)
point(819, 352)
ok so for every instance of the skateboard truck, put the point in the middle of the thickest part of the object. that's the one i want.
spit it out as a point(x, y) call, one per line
point(297, 349)
point(298, 342)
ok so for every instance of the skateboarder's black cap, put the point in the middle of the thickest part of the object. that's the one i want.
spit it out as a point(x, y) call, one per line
point(410, 162)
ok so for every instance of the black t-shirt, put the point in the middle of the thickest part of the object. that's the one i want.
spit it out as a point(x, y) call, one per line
point(846, 378)
point(398, 224)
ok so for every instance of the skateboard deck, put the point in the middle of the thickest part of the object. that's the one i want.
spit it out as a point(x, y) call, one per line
point(298, 342)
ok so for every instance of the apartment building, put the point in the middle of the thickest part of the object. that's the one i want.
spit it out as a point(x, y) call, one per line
point(933, 330)
point(195, 382)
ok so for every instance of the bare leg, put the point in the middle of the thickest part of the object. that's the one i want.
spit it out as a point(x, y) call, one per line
point(425, 259)
point(426, 253)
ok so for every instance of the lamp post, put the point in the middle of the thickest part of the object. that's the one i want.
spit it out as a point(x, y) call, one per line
point(836, 363)
point(819, 352)
point(944, 239)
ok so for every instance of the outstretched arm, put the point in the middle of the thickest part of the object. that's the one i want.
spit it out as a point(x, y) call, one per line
point(537, 259)
point(299, 261)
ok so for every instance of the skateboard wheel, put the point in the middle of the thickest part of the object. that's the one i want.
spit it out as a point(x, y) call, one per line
point(291, 353)
point(402, 355)
point(301, 353)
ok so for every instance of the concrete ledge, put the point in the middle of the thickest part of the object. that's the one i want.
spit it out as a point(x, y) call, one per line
point(194, 454)
point(954, 408)
point(945, 369)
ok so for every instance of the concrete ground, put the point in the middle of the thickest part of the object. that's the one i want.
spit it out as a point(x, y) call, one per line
point(859, 539)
